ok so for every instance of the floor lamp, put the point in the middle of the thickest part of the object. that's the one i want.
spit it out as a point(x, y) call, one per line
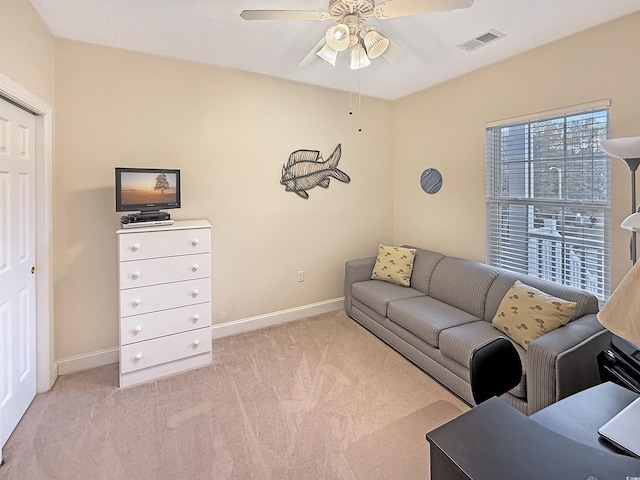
point(621, 313)
point(625, 298)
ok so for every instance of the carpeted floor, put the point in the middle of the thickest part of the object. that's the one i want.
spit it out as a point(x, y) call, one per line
point(319, 398)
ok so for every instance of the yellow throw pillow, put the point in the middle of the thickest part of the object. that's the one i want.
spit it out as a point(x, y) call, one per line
point(394, 264)
point(526, 313)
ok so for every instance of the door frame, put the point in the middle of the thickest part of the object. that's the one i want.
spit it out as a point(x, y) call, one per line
point(45, 365)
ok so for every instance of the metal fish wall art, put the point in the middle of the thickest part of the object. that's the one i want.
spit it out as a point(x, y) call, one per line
point(306, 169)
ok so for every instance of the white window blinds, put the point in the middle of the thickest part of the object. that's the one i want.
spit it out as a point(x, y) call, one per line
point(548, 198)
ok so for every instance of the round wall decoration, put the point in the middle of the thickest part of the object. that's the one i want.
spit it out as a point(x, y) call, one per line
point(431, 180)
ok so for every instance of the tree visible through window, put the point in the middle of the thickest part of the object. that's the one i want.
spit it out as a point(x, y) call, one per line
point(548, 199)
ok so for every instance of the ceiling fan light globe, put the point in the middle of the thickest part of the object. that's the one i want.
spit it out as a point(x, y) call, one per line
point(338, 37)
point(359, 57)
point(328, 54)
point(375, 44)
point(340, 32)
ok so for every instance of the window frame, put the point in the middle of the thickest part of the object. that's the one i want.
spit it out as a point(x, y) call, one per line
point(536, 228)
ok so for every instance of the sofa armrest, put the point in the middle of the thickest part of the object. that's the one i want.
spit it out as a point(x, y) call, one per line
point(564, 361)
point(356, 271)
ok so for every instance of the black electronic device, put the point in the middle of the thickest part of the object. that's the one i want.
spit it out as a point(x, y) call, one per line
point(145, 217)
point(620, 363)
point(147, 190)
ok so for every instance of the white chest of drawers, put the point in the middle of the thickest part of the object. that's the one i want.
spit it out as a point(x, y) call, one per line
point(165, 299)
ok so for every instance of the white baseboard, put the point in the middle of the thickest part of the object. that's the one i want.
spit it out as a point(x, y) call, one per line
point(86, 361)
point(275, 318)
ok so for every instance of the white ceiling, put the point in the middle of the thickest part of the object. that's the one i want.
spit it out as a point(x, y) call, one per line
point(212, 32)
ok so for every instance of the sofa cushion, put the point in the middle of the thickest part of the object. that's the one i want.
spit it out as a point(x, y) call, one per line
point(458, 343)
point(463, 284)
point(423, 267)
point(586, 302)
point(377, 295)
point(394, 264)
point(527, 313)
point(426, 317)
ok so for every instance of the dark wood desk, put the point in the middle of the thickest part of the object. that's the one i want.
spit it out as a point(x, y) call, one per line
point(494, 441)
point(579, 416)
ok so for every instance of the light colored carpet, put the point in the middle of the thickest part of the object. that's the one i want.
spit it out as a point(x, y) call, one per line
point(319, 398)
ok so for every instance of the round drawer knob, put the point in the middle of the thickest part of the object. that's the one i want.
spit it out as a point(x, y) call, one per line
point(135, 275)
point(196, 343)
point(135, 247)
point(194, 268)
point(195, 318)
point(136, 302)
point(138, 356)
point(195, 242)
point(138, 329)
point(195, 293)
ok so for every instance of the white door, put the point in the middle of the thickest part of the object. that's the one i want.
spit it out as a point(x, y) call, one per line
point(17, 262)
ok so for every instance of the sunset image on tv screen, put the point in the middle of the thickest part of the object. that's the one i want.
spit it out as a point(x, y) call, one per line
point(148, 188)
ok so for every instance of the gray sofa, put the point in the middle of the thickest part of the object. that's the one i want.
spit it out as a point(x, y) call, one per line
point(446, 312)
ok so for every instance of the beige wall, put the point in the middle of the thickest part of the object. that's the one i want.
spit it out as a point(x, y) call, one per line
point(443, 127)
point(26, 49)
point(230, 133)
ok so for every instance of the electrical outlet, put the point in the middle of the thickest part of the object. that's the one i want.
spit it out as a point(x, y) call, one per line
point(301, 276)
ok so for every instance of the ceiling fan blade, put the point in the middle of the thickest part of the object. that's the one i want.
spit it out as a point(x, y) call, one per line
point(401, 8)
point(284, 15)
point(312, 56)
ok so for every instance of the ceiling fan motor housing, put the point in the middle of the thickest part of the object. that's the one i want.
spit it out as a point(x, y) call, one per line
point(361, 8)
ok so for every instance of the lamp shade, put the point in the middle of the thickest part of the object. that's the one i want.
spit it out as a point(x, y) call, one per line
point(328, 54)
point(632, 222)
point(621, 314)
point(338, 37)
point(359, 57)
point(625, 147)
point(375, 44)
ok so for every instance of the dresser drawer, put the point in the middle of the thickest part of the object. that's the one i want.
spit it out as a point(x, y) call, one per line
point(152, 271)
point(140, 245)
point(138, 328)
point(136, 301)
point(164, 349)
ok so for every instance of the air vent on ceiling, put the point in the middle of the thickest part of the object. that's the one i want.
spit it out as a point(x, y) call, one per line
point(481, 40)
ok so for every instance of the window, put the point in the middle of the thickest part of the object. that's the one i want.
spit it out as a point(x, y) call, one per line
point(548, 198)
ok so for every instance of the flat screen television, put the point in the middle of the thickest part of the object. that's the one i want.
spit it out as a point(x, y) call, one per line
point(147, 189)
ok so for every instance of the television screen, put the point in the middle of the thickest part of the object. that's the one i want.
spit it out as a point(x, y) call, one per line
point(147, 189)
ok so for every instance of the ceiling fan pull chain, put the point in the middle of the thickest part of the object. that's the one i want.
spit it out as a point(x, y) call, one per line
point(359, 104)
point(350, 91)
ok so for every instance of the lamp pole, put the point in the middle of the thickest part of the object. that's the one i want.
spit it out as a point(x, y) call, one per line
point(633, 166)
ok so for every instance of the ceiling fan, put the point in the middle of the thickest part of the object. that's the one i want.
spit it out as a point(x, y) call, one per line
point(364, 41)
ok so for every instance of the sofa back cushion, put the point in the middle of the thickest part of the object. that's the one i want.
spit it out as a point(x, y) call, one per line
point(586, 302)
point(463, 284)
point(423, 267)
